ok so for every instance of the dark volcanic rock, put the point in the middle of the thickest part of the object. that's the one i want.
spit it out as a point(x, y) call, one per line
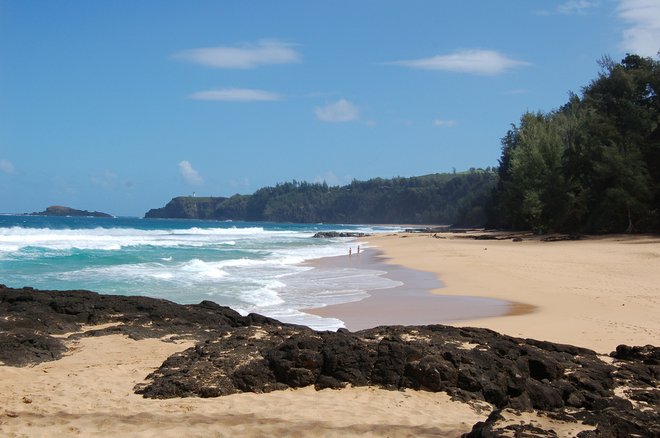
point(257, 354)
point(28, 317)
point(332, 234)
point(24, 347)
point(470, 364)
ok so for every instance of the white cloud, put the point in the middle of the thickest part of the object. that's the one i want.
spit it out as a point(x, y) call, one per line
point(570, 7)
point(575, 7)
point(485, 62)
point(244, 56)
point(7, 167)
point(643, 35)
point(445, 123)
point(189, 174)
point(236, 95)
point(340, 111)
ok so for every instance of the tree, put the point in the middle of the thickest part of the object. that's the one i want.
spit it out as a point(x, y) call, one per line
point(594, 164)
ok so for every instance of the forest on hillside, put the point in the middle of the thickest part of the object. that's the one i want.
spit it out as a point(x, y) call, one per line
point(591, 166)
point(447, 198)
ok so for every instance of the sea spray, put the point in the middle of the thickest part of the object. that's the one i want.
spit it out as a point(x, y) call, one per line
point(251, 267)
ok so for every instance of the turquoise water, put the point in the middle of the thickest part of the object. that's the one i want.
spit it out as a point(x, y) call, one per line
point(251, 267)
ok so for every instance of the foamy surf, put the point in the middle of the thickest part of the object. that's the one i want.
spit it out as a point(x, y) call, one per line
point(249, 267)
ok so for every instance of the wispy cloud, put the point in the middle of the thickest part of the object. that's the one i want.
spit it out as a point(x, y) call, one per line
point(244, 56)
point(340, 111)
point(571, 7)
point(643, 17)
point(445, 123)
point(576, 7)
point(7, 167)
point(189, 174)
point(329, 178)
point(484, 62)
point(236, 95)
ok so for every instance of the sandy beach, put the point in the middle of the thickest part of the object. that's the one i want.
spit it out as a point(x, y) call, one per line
point(597, 292)
point(90, 393)
point(410, 303)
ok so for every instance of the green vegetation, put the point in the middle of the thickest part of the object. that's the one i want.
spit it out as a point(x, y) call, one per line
point(593, 165)
point(457, 199)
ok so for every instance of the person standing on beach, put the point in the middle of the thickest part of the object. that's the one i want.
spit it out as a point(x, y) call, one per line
point(358, 249)
point(350, 252)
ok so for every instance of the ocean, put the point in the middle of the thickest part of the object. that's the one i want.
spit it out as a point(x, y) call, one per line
point(248, 266)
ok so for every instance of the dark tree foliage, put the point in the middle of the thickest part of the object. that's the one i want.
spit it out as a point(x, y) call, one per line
point(452, 199)
point(433, 199)
point(593, 165)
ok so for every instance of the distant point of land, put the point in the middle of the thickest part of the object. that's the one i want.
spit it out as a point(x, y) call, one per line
point(58, 210)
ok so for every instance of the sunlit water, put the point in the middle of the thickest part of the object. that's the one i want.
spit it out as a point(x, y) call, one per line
point(251, 267)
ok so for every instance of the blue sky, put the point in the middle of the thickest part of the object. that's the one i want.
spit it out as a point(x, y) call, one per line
point(120, 105)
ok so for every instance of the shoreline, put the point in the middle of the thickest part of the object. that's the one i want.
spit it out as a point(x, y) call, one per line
point(417, 300)
point(597, 292)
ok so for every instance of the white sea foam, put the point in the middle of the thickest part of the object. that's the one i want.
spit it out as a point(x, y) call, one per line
point(14, 238)
point(251, 269)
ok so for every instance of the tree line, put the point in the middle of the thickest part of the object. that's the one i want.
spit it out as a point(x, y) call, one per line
point(443, 198)
point(592, 165)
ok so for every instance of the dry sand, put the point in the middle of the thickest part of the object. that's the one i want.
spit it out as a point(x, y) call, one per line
point(90, 393)
point(596, 293)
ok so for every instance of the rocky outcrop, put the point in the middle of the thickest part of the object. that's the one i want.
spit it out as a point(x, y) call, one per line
point(614, 397)
point(58, 210)
point(468, 363)
point(29, 317)
point(187, 207)
point(333, 234)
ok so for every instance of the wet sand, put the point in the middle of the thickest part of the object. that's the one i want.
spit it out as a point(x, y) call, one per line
point(410, 303)
point(597, 292)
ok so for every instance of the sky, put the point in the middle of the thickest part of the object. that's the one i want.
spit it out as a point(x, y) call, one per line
point(120, 105)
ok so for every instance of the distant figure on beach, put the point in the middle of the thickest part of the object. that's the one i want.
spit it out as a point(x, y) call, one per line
point(358, 249)
point(350, 251)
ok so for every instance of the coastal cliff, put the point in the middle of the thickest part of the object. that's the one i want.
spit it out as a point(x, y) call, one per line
point(442, 198)
point(58, 210)
point(606, 396)
point(187, 207)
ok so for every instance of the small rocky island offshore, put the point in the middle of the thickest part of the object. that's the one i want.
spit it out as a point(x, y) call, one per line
point(58, 210)
point(615, 395)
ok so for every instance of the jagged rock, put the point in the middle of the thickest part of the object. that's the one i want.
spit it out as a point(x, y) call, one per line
point(28, 317)
point(333, 234)
point(648, 354)
point(22, 347)
point(257, 354)
point(426, 230)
